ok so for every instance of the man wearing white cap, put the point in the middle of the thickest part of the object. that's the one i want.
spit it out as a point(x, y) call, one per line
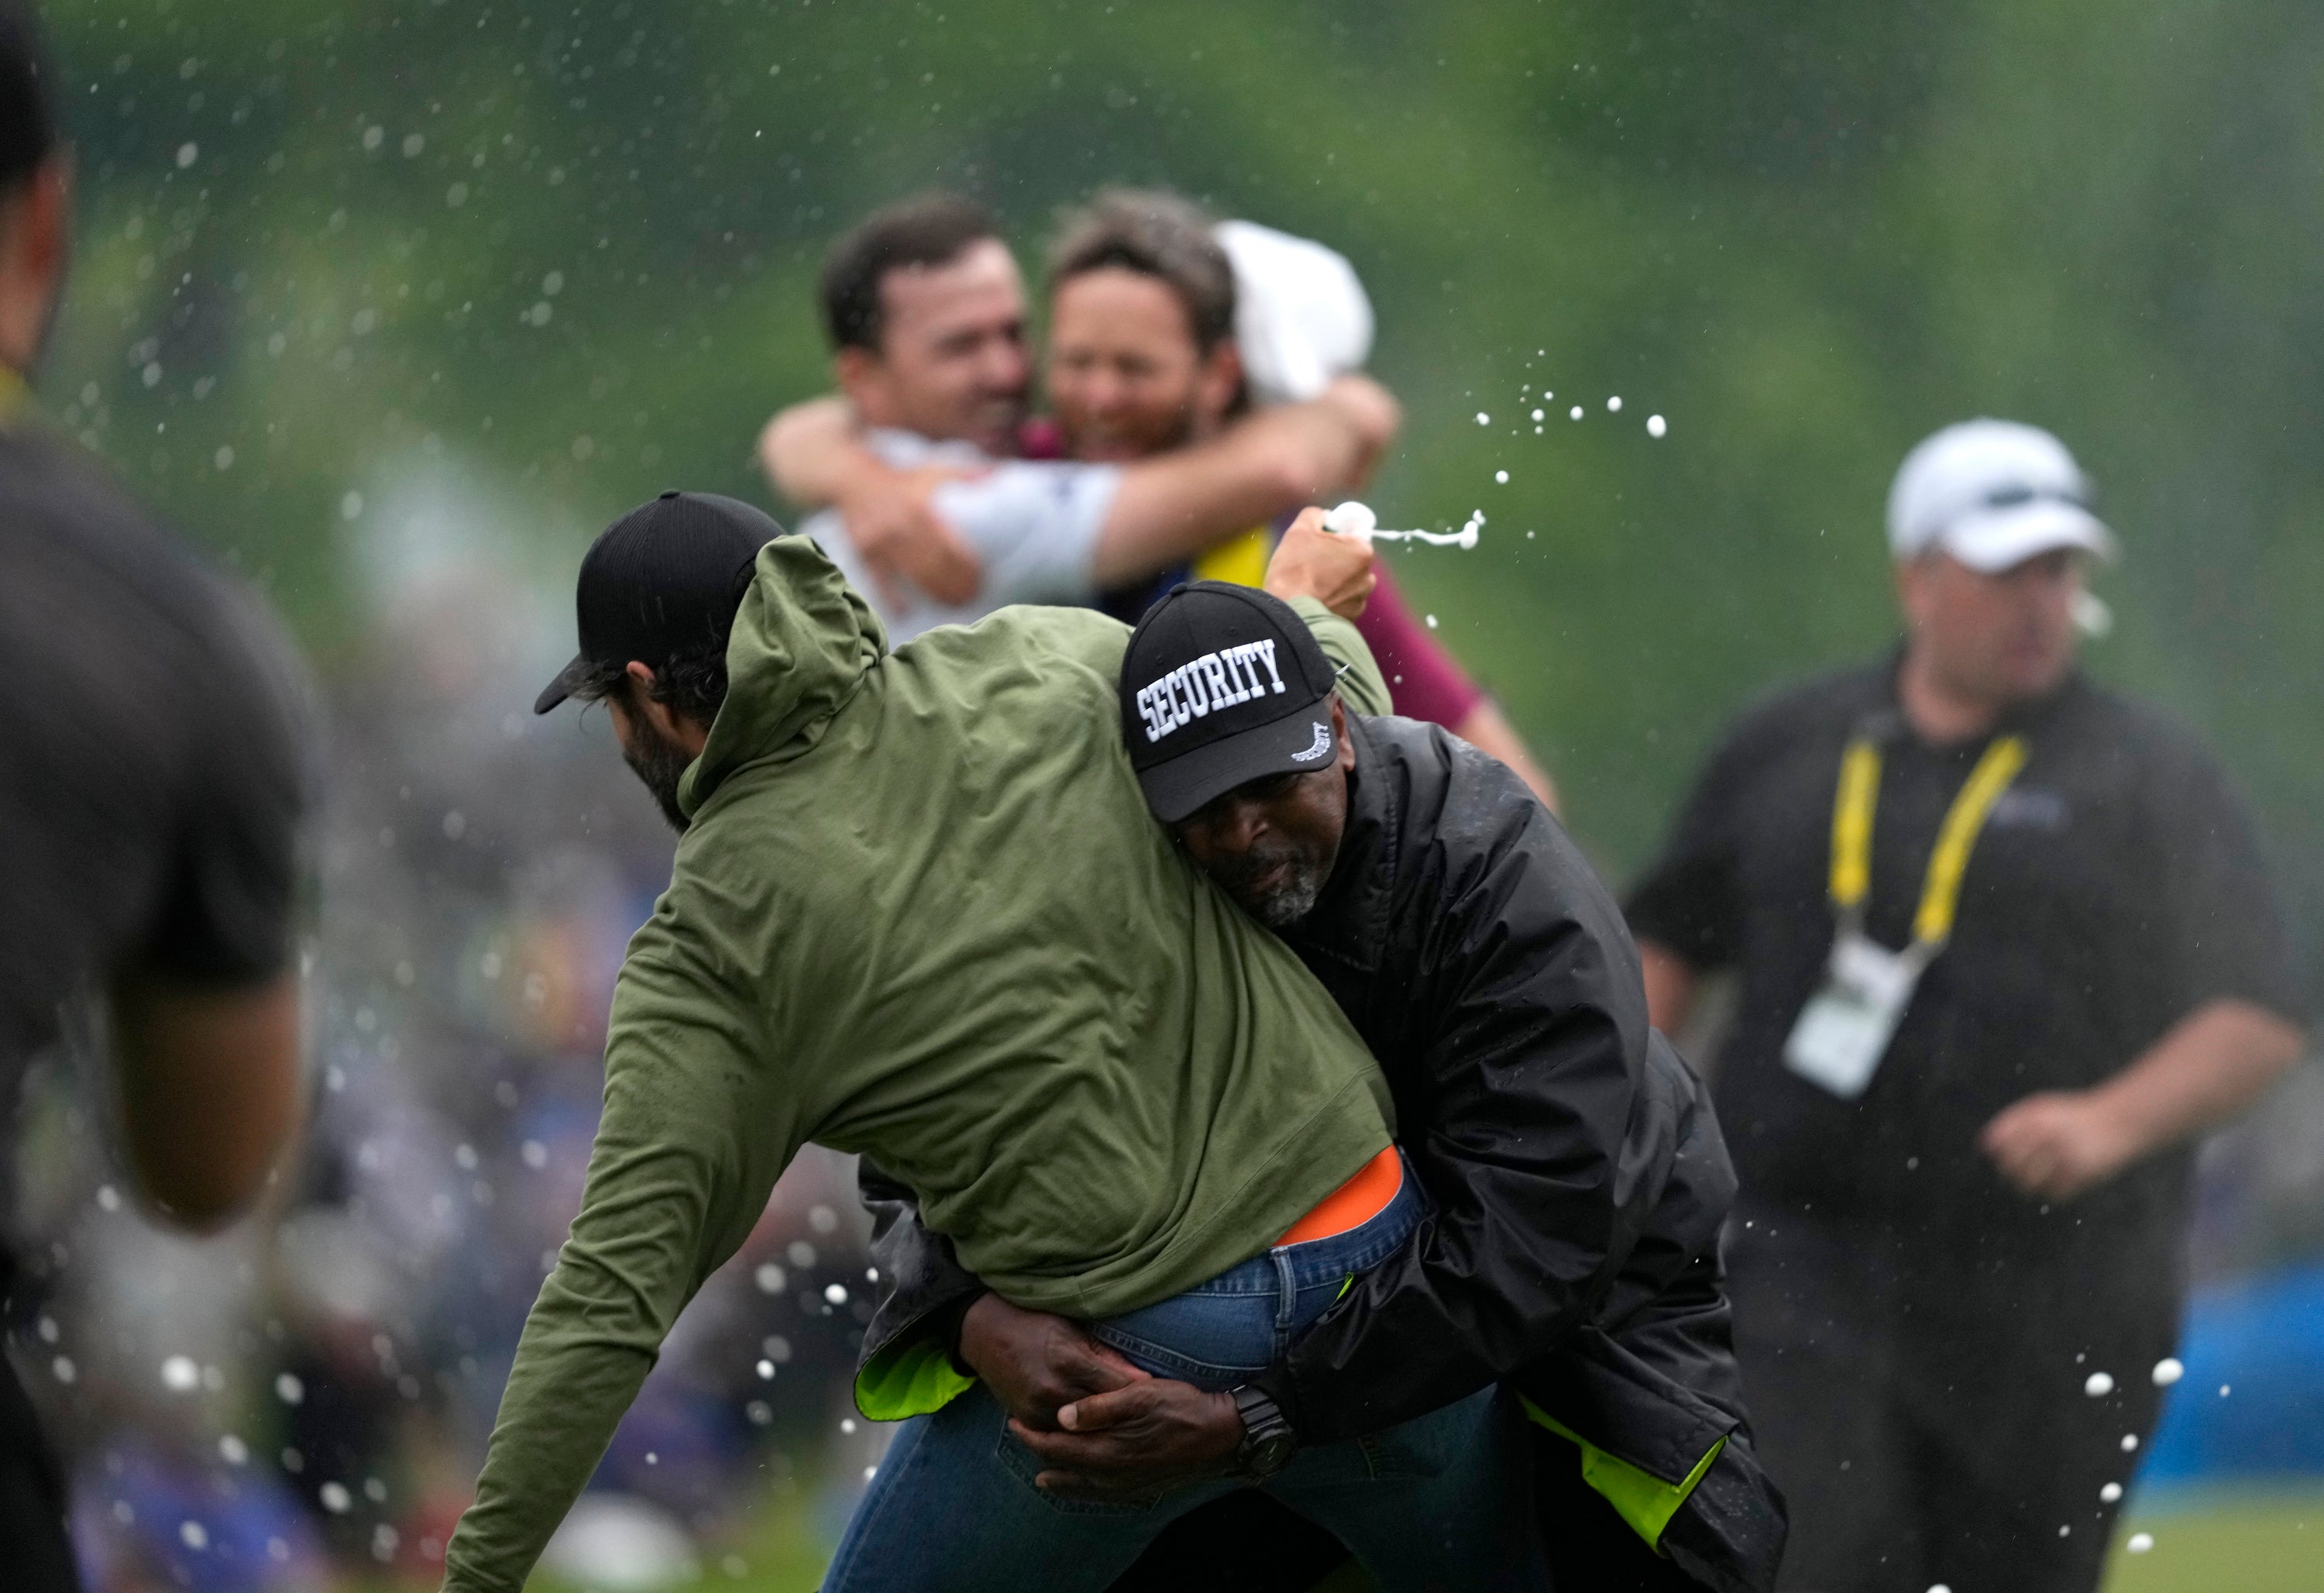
point(2005, 949)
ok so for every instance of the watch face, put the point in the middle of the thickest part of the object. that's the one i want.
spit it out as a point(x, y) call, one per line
point(1271, 1453)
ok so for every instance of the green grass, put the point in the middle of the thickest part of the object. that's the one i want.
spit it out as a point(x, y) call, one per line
point(2239, 1542)
point(2223, 1543)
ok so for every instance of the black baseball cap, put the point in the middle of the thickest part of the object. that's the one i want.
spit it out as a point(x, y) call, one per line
point(1222, 684)
point(665, 576)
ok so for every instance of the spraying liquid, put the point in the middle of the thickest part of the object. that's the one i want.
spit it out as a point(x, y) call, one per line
point(1354, 519)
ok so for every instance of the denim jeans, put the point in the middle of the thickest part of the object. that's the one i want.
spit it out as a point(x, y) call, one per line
point(1439, 1502)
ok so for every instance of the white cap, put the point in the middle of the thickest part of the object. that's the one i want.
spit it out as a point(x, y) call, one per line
point(1301, 316)
point(1993, 494)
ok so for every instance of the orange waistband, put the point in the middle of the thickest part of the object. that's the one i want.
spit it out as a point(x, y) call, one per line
point(1354, 1203)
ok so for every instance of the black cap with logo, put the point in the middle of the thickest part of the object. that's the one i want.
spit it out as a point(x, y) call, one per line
point(665, 576)
point(1222, 685)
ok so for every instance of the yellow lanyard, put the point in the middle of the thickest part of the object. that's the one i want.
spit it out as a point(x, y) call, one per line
point(1851, 832)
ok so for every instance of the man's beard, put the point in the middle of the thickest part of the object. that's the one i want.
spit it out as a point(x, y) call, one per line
point(1286, 901)
point(662, 764)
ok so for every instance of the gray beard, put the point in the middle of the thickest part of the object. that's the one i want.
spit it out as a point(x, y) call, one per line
point(1288, 903)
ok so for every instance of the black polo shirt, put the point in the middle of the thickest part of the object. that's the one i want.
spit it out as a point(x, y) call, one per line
point(2114, 888)
point(156, 768)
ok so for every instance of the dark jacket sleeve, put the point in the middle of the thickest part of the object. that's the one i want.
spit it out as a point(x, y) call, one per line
point(1531, 1037)
point(922, 1287)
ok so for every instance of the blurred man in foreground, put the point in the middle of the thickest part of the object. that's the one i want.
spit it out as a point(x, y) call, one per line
point(149, 802)
point(1146, 371)
point(1475, 950)
point(2005, 949)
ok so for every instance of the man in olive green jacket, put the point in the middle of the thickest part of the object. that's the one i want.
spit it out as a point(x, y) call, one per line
point(918, 910)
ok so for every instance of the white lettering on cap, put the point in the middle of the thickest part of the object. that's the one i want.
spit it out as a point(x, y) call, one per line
point(1215, 680)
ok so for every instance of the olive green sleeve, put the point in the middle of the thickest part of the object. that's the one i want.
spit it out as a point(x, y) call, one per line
point(694, 1135)
point(1362, 685)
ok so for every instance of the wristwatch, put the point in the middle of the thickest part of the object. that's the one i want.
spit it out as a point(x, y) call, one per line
point(1268, 1440)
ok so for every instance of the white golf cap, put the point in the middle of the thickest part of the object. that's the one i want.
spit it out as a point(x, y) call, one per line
point(1301, 314)
point(1993, 494)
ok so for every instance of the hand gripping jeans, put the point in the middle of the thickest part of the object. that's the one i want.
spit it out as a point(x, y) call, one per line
point(1440, 1502)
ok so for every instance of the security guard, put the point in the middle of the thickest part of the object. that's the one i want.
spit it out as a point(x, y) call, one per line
point(2005, 949)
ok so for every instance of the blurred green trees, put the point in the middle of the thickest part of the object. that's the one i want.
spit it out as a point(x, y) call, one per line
point(559, 256)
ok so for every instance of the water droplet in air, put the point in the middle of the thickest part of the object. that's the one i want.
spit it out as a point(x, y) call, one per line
point(847, 1425)
point(1613, 406)
point(2140, 1542)
point(233, 1450)
point(2223, 1391)
point(2097, 1385)
point(1502, 476)
point(179, 1374)
point(1484, 419)
point(193, 1535)
point(2110, 1492)
point(1655, 426)
point(2129, 1442)
point(836, 1292)
point(335, 1497)
point(1432, 622)
point(288, 1389)
point(188, 153)
point(1537, 415)
point(766, 1371)
point(2168, 1371)
point(769, 1277)
point(1576, 411)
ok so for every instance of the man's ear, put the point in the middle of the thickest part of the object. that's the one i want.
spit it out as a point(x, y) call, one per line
point(1346, 758)
point(672, 726)
point(862, 375)
point(1217, 384)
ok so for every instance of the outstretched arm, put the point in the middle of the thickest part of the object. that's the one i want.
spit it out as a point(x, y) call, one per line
point(209, 1088)
point(1172, 506)
point(814, 455)
point(694, 1135)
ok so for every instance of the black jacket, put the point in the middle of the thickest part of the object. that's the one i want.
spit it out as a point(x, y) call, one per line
point(1577, 1175)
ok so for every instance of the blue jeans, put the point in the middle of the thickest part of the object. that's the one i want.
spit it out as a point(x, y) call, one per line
point(1440, 1502)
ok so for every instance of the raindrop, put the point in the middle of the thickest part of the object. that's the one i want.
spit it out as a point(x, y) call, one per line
point(350, 505)
point(535, 1155)
point(869, 1472)
point(2223, 1391)
point(766, 1371)
point(374, 137)
point(413, 142)
point(1655, 426)
point(760, 1412)
point(233, 1450)
point(801, 1253)
point(836, 1292)
point(224, 459)
point(2098, 1385)
point(179, 1374)
point(769, 1277)
point(1484, 419)
point(63, 1369)
point(2140, 1542)
point(822, 1219)
point(188, 154)
point(1432, 622)
point(1575, 411)
point(2110, 1492)
point(455, 825)
point(2168, 1371)
point(1502, 476)
point(1613, 406)
point(288, 1389)
point(2129, 1442)
point(108, 1198)
point(847, 1425)
point(1537, 416)
point(193, 1535)
point(335, 1497)
point(778, 1349)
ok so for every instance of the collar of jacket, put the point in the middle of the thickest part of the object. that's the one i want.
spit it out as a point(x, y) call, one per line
point(1350, 921)
point(803, 644)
